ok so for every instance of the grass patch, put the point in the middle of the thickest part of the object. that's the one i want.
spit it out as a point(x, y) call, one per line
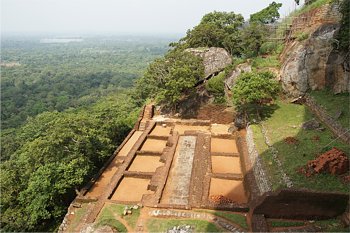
point(119, 209)
point(331, 225)
point(284, 122)
point(106, 217)
point(234, 218)
point(77, 217)
point(333, 103)
point(161, 225)
point(270, 61)
point(280, 223)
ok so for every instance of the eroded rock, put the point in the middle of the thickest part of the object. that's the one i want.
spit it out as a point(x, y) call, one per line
point(214, 59)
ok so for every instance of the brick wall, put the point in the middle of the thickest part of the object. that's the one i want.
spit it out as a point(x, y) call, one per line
point(328, 13)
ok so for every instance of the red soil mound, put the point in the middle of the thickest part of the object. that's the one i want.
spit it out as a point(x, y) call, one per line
point(333, 161)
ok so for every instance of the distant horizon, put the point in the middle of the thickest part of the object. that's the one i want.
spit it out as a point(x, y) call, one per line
point(118, 17)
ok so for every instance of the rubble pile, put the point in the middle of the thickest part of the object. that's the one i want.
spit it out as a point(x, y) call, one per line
point(220, 199)
point(333, 161)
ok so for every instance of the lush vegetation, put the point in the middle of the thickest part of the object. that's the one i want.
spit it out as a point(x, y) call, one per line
point(216, 29)
point(65, 108)
point(168, 78)
point(53, 155)
point(52, 77)
point(253, 90)
point(285, 120)
point(267, 15)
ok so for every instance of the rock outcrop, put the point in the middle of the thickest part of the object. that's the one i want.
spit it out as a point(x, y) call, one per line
point(314, 63)
point(214, 59)
point(230, 80)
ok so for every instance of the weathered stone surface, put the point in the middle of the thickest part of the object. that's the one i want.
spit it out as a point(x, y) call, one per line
point(232, 77)
point(214, 59)
point(314, 63)
point(306, 63)
point(338, 72)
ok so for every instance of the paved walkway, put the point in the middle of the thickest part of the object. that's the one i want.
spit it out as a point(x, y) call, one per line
point(178, 185)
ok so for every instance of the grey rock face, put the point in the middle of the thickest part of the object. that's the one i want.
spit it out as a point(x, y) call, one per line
point(232, 77)
point(313, 64)
point(214, 59)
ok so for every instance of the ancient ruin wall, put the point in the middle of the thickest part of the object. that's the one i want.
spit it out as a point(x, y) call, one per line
point(256, 163)
point(330, 122)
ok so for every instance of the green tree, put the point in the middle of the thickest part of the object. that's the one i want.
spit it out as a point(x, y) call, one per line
point(267, 15)
point(253, 37)
point(167, 79)
point(55, 154)
point(253, 89)
point(216, 29)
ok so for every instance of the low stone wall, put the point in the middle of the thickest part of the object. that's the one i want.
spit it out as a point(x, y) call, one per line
point(330, 122)
point(300, 204)
point(256, 163)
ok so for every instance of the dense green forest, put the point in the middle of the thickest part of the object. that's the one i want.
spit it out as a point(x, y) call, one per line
point(58, 76)
point(65, 107)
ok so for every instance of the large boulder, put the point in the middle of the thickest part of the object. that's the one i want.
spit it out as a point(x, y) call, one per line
point(306, 63)
point(214, 59)
point(231, 79)
point(314, 63)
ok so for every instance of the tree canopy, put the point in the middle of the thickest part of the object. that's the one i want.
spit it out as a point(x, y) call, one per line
point(267, 15)
point(216, 29)
point(55, 154)
point(166, 79)
point(252, 88)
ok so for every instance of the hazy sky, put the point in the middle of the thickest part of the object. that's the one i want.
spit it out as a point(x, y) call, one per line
point(119, 16)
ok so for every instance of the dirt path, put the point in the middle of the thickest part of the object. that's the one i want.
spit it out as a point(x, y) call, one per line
point(125, 223)
point(141, 225)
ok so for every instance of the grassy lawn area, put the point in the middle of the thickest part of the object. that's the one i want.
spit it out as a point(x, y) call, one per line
point(119, 209)
point(333, 103)
point(162, 225)
point(106, 217)
point(238, 219)
point(284, 122)
point(283, 223)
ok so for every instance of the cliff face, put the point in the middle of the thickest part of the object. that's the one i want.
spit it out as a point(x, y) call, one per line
point(314, 63)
